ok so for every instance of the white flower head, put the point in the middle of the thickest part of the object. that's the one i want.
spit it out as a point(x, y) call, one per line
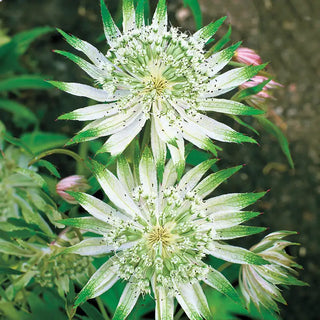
point(158, 74)
point(160, 233)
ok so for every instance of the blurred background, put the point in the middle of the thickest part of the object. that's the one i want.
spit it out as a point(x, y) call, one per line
point(284, 33)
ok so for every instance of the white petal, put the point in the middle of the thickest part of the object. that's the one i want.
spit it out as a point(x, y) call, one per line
point(124, 174)
point(121, 139)
point(102, 280)
point(88, 49)
point(114, 190)
point(99, 209)
point(129, 19)
point(230, 80)
point(164, 303)
point(159, 149)
point(193, 176)
point(160, 19)
point(93, 112)
point(83, 90)
point(148, 173)
point(127, 301)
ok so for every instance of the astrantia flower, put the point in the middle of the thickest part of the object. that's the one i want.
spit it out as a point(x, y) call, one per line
point(152, 73)
point(259, 283)
point(160, 234)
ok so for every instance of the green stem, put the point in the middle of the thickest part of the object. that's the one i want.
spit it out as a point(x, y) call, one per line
point(54, 151)
point(102, 308)
point(224, 266)
point(83, 153)
point(179, 314)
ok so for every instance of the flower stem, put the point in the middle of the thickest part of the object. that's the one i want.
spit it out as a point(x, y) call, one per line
point(53, 151)
point(179, 314)
point(102, 308)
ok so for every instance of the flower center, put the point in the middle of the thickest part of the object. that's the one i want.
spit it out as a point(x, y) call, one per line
point(156, 84)
point(160, 234)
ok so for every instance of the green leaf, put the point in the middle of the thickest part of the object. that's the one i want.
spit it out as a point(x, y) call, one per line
point(12, 249)
point(4, 270)
point(35, 177)
point(24, 82)
point(39, 141)
point(17, 142)
point(237, 119)
point(196, 11)
point(11, 51)
point(92, 312)
point(50, 167)
point(276, 132)
point(22, 116)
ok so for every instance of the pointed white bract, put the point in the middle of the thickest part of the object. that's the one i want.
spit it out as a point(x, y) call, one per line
point(160, 234)
point(167, 74)
point(259, 284)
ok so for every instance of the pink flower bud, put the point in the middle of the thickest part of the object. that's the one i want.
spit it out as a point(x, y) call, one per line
point(247, 56)
point(72, 183)
point(260, 97)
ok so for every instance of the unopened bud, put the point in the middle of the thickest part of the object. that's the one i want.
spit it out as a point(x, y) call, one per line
point(247, 56)
point(73, 183)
